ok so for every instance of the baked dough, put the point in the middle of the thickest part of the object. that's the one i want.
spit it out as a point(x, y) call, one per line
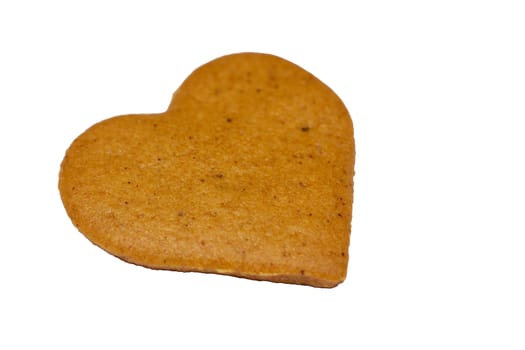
point(248, 173)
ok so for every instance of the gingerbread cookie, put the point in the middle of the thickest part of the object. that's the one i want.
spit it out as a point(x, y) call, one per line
point(248, 173)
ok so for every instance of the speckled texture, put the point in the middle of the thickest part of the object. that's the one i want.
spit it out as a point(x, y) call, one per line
point(248, 173)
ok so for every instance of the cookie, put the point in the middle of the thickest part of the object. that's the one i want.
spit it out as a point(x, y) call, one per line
point(249, 173)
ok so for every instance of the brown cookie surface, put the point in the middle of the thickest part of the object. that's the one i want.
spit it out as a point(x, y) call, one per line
point(248, 173)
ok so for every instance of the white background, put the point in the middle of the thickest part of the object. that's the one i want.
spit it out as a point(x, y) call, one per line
point(436, 90)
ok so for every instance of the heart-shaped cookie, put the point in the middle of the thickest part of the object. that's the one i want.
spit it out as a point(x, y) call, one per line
point(248, 173)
